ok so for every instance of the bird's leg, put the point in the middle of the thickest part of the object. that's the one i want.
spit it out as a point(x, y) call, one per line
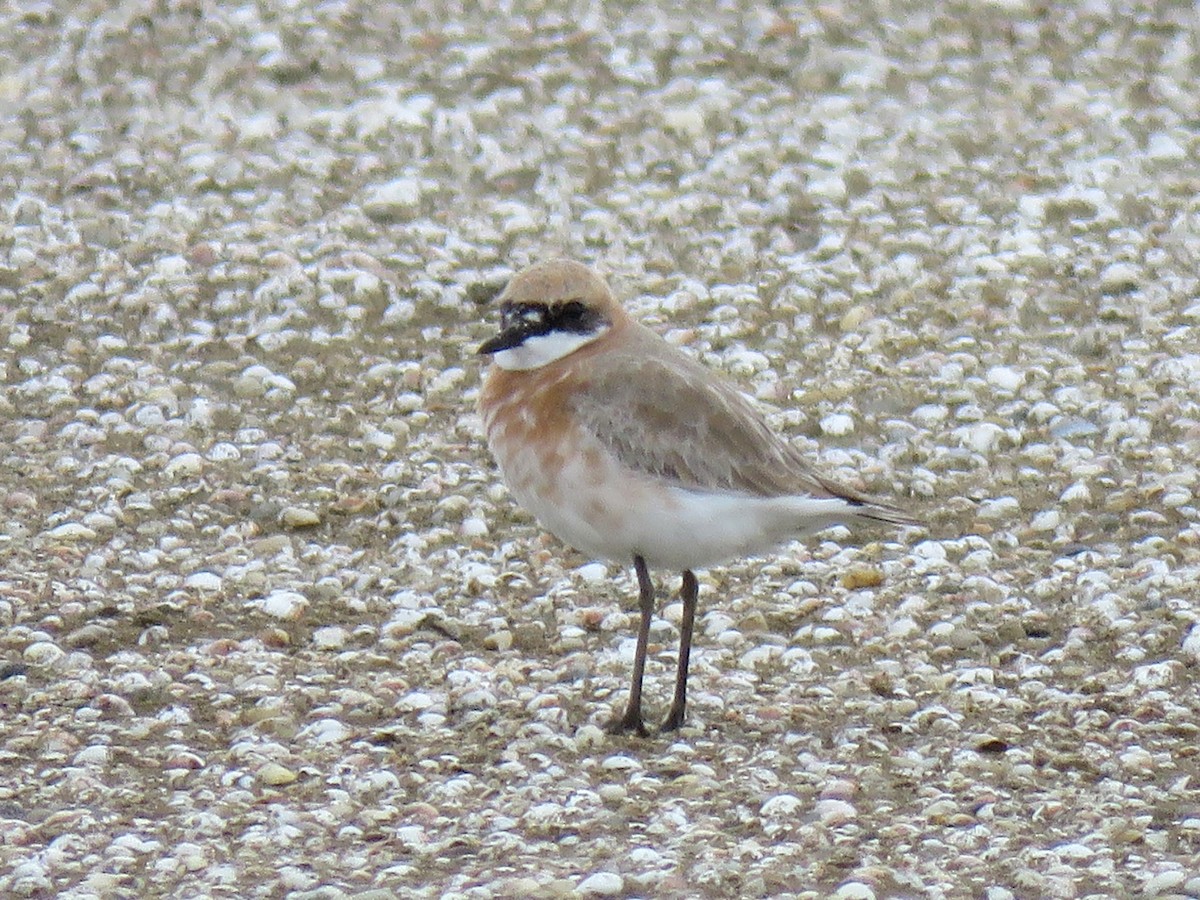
point(687, 592)
point(632, 720)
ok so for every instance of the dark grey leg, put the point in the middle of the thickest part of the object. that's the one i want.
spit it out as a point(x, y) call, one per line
point(632, 720)
point(688, 592)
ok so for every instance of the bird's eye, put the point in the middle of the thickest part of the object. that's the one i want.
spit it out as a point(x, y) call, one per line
point(570, 313)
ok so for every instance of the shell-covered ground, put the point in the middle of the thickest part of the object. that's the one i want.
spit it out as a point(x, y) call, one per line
point(270, 625)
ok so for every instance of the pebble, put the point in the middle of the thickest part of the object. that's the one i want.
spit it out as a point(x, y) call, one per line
point(781, 805)
point(330, 637)
point(282, 604)
point(835, 812)
point(499, 640)
point(185, 466)
point(325, 731)
point(593, 573)
point(999, 508)
point(473, 527)
point(1120, 277)
point(43, 653)
point(88, 635)
point(837, 424)
point(1005, 379)
point(299, 517)
point(1164, 882)
point(854, 890)
point(602, 884)
point(1069, 427)
point(71, 531)
point(393, 200)
point(861, 577)
point(1191, 643)
point(276, 775)
point(619, 763)
point(96, 755)
point(1047, 520)
point(208, 582)
point(1162, 147)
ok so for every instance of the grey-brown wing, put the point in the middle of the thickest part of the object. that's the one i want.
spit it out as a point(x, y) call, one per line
point(662, 413)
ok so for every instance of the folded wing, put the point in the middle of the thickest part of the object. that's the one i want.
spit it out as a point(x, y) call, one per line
point(661, 412)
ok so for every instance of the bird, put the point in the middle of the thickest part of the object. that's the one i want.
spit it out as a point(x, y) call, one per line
point(628, 449)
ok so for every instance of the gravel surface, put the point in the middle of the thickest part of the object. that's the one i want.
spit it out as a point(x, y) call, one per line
point(269, 626)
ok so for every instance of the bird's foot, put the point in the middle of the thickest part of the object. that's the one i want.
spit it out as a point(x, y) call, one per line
point(674, 720)
point(630, 722)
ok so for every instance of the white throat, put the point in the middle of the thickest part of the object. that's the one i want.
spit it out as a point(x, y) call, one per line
point(543, 349)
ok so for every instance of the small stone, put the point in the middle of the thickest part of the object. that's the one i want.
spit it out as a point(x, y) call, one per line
point(830, 187)
point(602, 884)
point(1155, 676)
point(1191, 643)
point(1137, 759)
point(1005, 379)
point(299, 517)
point(184, 466)
point(685, 122)
point(20, 500)
point(992, 745)
point(837, 424)
point(930, 414)
point(331, 637)
point(835, 812)
point(326, 731)
point(349, 506)
point(282, 604)
point(499, 640)
point(1047, 520)
point(88, 636)
point(1119, 278)
point(854, 318)
point(203, 581)
point(275, 638)
point(862, 577)
point(593, 573)
point(99, 521)
point(1067, 427)
point(276, 775)
point(982, 437)
point(999, 508)
point(473, 526)
point(43, 653)
point(780, 805)
point(95, 755)
point(620, 763)
point(854, 890)
point(1163, 147)
point(71, 531)
point(587, 736)
point(393, 200)
point(1164, 883)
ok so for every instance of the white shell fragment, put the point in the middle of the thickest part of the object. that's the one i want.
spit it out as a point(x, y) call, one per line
point(282, 604)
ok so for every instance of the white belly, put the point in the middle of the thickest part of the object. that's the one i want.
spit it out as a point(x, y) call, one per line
point(607, 511)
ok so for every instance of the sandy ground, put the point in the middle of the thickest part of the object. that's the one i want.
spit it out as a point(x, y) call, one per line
point(270, 625)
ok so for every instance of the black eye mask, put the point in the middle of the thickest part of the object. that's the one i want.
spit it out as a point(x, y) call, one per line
point(521, 321)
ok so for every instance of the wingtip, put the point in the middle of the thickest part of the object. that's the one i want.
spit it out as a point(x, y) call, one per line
point(889, 515)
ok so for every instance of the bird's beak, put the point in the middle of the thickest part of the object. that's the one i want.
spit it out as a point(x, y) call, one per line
point(505, 340)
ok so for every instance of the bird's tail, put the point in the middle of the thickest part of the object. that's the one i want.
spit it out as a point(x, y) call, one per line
point(864, 506)
point(885, 512)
